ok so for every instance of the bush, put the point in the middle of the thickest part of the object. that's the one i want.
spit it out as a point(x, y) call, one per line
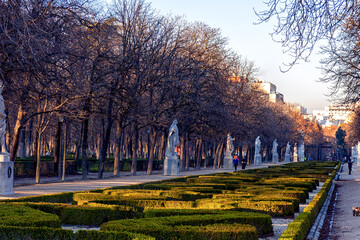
point(162, 227)
point(17, 215)
point(50, 198)
point(91, 215)
point(299, 228)
point(44, 233)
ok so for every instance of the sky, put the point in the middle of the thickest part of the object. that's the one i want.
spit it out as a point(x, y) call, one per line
point(235, 19)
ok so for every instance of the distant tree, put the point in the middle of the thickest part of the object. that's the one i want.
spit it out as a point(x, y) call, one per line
point(340, 140)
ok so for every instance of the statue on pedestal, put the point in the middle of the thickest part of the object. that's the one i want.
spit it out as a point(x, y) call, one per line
point(171, 163)
point(6, 166)
point(257, 158)
point(295, 153)
point(228, 159)
point(287, 152)
point(275, 155)
point(2, 122)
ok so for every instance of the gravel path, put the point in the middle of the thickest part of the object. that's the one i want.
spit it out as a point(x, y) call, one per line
point(344, 226)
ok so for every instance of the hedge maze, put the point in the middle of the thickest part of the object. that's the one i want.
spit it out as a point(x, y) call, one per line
point(236, 205)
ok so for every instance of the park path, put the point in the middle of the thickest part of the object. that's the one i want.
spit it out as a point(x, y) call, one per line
point(27, 187)
point(345, 226)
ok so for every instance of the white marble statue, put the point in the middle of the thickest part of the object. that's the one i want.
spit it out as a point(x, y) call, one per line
point(257, 158)
point(2, 122)
point(173, 140)
point(228, 158)
point(171, 162)
point(301, 152)
point(229, 143)
point(295, 153)
point(354, 154)
point(275, 155)
point(6, 166)
point(287, 152)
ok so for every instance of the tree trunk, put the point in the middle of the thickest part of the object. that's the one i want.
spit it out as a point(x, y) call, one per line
point(77, 149)
point(198, 154)
point(17, 129)
point(64, 153)
point(29, 138)
point(84, 148)
point(57, 148)
point(220, 153)
point(182, 151)
point(37, 171)
point(135, 139)
point(187, 152)
point(152, 134)
point(106, 140)
point(22, 152)
point(117, 148)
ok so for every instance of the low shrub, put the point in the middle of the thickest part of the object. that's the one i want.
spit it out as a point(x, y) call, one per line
point(146, 204)
point(45, 233)
point(18, 215)
point(299, 228)
point(92, 214)
point(50, 198)
point(162, 227)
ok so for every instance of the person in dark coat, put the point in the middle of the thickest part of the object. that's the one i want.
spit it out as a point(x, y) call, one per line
point(236, 162)
point(243, 163)
point(350, 163)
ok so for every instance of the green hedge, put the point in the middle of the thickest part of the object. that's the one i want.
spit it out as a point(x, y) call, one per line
point(18, 215)
point(299, 228)
point(146, 204)
point(51, 198)
point(91, 215)
point(44, 233)
point(162, 227)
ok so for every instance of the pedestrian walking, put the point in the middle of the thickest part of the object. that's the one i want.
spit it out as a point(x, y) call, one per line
point(350, 163)
point(243, 163)
point(236, 162)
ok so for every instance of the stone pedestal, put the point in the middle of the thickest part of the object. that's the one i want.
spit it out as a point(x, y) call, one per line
point(275, 158)
point(287, 158)
point(257, 159)
point(171, 166)
point(6, 175)
point(228, 161)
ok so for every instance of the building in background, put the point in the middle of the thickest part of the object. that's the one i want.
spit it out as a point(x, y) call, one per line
point(333, 115)
point(270, 90)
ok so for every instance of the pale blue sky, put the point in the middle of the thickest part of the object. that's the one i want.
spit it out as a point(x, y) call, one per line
point(235, 18)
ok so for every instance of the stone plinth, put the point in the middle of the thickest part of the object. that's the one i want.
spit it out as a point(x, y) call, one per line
point(275, 158)
point(228, 161)
point(6, 175)
point(171, 166)
point(257, 159)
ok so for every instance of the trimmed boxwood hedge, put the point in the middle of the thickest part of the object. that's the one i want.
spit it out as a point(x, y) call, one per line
point(162, 227)
point(91, 215)
point(299, 228)
point(18, 215)
point(45, 233)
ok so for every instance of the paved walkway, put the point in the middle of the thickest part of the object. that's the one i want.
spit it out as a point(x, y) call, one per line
point(74, 183)
point(345, 226)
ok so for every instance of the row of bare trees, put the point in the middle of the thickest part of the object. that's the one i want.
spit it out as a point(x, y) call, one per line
point(81, 79)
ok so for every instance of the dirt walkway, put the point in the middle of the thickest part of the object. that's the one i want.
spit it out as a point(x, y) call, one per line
point(345, 226)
